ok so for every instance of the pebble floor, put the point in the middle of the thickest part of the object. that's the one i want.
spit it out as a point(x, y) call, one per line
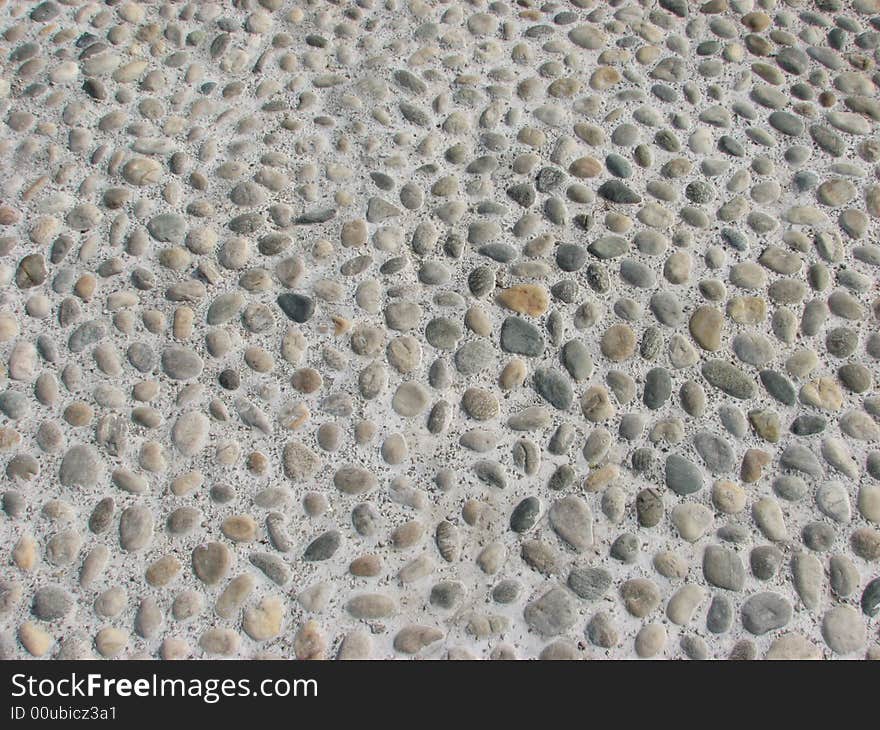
point(440, 330)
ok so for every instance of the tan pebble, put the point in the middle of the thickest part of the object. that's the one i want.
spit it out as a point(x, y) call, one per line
point(560, 650)
point(85, 287)
point(306, 380)
point(647, 54)
point(756, 21)
point(24, 554)
point(315, 504)
point(38, 306)
point(107, 360)
point(650, 641)
point(477, 320)
point(353, 233)
point(801, 363)
point(234, 595)
point(58, 510)
point(412, 639)
point(539, 246)
point(93, 565)
point(175, 258)
point(110, 641)
point(174, 648)
point(492, 557)
point(34, 639)
point(503, 652)
point(364, 431)
point(408, 534)
point(239, 528)
point(211, 562)
point(793, 646)
point(865, 542)
point(293, 346)
point(528, 299)
point(769, 518)
point(480, 404)
point(322, 249)
point(356, 645)
point(394, 449)
point(162, 571)
point(513, 375)
point(532, 136)
point(706, 327)
point(728, 497)
point(35, 187)
point(224, 642)
point(142, 171)
point(8, 215)
point(822, 393)
point(677, 268)
point(618, 342)
point(78, 413)
point(145, 390)
point(309, 642)
point(366, 566)
point(111, 602)
point(227, 453)
point(9, 438)
point(8, 327)
point(124, 321)
point(152, 457)
point(315, 598)
point(596, 404)
point(187, 483)
point(154, 321)
point(416, 569)
point(263, 621)
point(296, 416)
point(753, 463)
point(747, 310)
point(182, 326)
point(22, 361)
point(670, 565)
point(585, 167)
point(604, 78)
point(258, 359)
point(341, 325)
point(869, 502)
point(257, 463)
point(640, 596)
point(600, 478)
point(44, 230)
point(617, 222)
point(872, 200)
point(471, 511)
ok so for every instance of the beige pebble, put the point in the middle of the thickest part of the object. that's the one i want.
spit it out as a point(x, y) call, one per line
point(220, 641)
point(35, 640)
point(174, 648)
point(111, 642)
point(24, 554)
point(162, 571)
point(239, 528)
point(604, 78)
point(263, 621)
point(513, 375)
point(309, 642)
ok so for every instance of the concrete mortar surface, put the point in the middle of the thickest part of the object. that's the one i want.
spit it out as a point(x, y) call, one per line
point(298, 301)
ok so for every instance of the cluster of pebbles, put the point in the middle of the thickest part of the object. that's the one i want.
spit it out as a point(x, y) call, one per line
point(440, 329)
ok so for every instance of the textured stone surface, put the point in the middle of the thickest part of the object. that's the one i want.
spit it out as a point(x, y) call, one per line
point(439, 330)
